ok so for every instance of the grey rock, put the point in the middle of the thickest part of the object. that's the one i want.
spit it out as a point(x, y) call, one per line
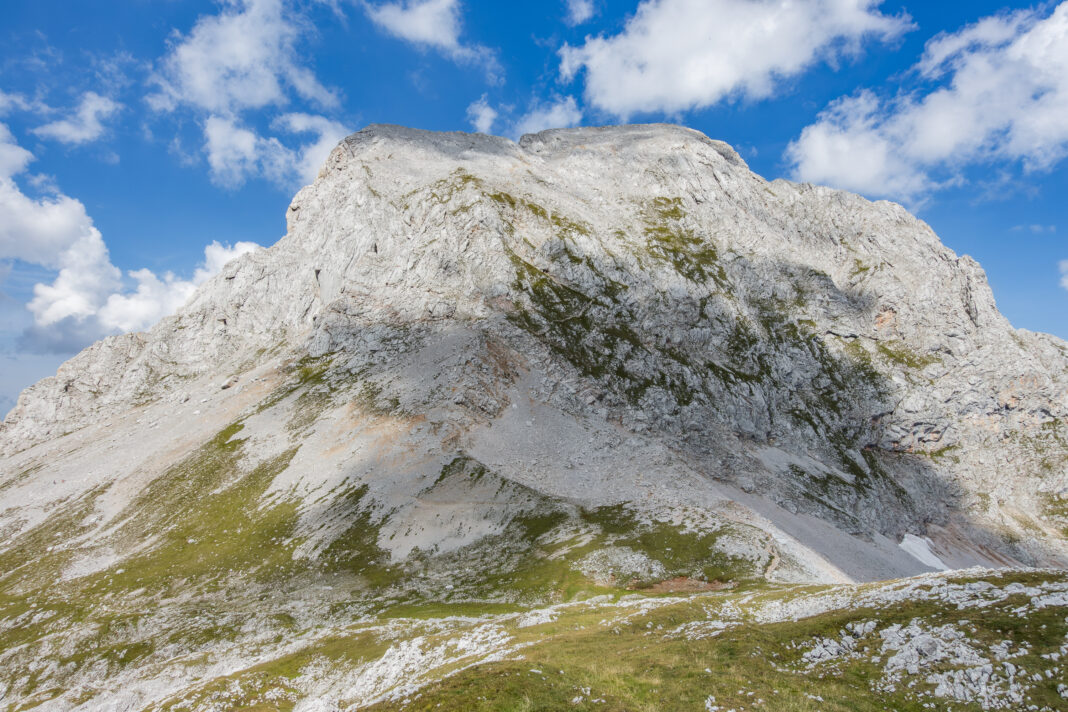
point(816, 356)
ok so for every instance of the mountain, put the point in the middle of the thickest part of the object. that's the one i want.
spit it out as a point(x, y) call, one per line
point(487, 403)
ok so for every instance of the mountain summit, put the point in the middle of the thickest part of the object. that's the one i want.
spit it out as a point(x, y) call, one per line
point(504, 376)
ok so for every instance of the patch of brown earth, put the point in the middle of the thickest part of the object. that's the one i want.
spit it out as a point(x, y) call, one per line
point(683, 584)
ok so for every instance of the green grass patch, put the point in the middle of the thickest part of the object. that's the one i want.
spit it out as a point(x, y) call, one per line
point(900, 353)
point(592, 662)
point(693, 554)
point(669, 240)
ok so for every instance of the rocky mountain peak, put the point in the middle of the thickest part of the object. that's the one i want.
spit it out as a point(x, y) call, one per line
point(599, 360)
point(646, 267)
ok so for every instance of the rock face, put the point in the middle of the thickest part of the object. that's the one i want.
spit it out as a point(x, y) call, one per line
point(470, 354)
point(796, 341)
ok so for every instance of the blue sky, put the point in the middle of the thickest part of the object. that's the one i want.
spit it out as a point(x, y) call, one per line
point(143, 143)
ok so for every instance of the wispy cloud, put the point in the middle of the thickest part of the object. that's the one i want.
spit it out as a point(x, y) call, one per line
point(561, 112)
point(579, 11)
point(1035, 229)
point(246, 57)
point(85, 124)
point(435, 24)
point(10, 102)
point(481, 115)
point(1002, 95)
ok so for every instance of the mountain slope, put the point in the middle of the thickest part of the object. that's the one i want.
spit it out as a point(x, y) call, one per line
point(492, 376)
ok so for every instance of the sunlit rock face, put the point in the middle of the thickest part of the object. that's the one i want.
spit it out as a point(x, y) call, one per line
point(494, 374)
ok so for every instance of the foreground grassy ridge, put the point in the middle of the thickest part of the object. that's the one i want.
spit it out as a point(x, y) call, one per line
point(645, 654)
point(271, 685)
point(593, 662)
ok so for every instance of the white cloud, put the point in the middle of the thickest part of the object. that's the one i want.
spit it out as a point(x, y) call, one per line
point(561, 113)
point(247, 58)
point(987, 32)
point(431, 23)
point(676, 55)
point(481, 115)
point(87, 122)
point(86, 277)
point(1036, 229)
point(1064, 273)
point(86, 299)
point(233, 152)
point(12, 101)
point(305, 162)
point(157, 297)
point(243, 58)
point(846, 149)
point(1003, 96)
point(153, 299)
point(35, 230)
point(236, 153)
point(13, 157)
point(579, 11)
point(53, 231)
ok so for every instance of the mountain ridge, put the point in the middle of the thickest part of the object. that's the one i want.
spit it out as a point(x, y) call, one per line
point(479, 373)
point(215, 312)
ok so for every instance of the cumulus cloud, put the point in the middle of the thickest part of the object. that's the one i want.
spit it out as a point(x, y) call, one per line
point(481, 115)
point(245, 57)
point(1064, 273)
point(86, 300)
point(85, 124)
point(431, 23)
point(305, 162)
point(560, 113)
point(579, 11)
point(676, 55)
point(35, 230)
point(233, 151)
point(994, 91)
point(156, 297)
point(86, 278)
point(236, 153)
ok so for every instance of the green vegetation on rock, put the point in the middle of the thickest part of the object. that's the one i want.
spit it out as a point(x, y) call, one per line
point(670, 240)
